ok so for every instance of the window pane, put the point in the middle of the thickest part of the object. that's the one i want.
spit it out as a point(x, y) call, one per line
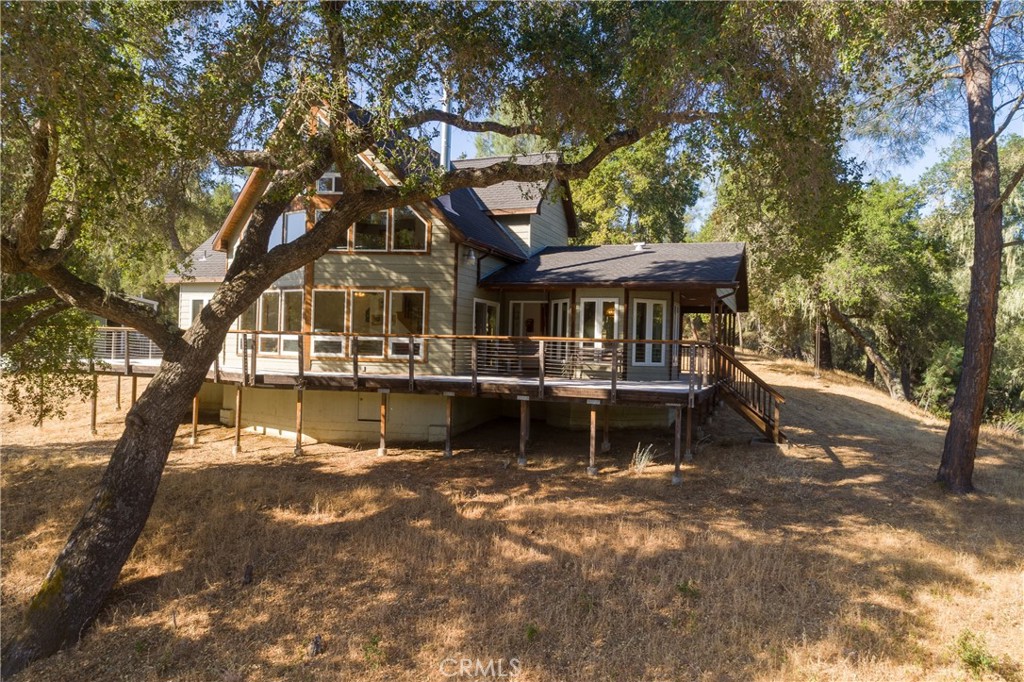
point(589, 318)
point(328, 311)
point(324, 184)
point(276, 235)
point(367, 312)
point(248, 318)
point(372, 232)
point(292, 311)
point(295, 225)
point(640, 332)
point(407, 312)
point(608, 320)
point(197, 307)
point(410, 233)
point(270, 313)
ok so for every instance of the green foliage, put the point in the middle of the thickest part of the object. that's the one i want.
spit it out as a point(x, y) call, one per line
point(970, 649)
point(640, 193)
point(45, 371)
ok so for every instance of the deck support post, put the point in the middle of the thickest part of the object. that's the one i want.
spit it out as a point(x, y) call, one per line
point(95, 398)
point(195, 420)
point(237, 447)
point(688, 455)
point(524, 428)
point(300, 386)
point(592, 469)
point(606, 443)
point(298, 421)
point(383, 448)
point(135, 389)
point(677, 474)
point(448, 424)
point(117, 393)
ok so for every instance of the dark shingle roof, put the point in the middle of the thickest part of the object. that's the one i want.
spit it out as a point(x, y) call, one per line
point(620, 264)
point(509, 195)
point(207, 265)
point(463, 209)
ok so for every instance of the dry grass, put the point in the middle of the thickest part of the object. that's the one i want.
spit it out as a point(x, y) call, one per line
point(837, 558)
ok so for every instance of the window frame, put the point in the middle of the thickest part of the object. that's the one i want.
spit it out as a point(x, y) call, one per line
point(369, 337)
point(649, 331)
point(329, 339)
point(598, 307)
point(394, 338)
point(392, 231)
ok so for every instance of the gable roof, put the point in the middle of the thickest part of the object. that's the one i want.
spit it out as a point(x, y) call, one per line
point(207, 265)
point(665, 266)
point(510, 196)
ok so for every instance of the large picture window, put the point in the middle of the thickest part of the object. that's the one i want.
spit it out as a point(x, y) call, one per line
point(368, 322)
point(408, 318)
point(329, 316)
point(648, 325)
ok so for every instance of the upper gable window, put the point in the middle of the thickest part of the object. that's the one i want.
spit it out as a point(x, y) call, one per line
point(329, 183)
point(288, 228)
point(409, 232)
point(371, 233)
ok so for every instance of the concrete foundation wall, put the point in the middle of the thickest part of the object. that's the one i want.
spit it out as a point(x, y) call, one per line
point(353, 417)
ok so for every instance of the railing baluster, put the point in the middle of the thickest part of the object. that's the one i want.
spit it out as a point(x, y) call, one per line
point(615, 370)
point(127, 354)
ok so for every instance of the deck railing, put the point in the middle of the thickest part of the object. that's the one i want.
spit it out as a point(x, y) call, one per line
point(537, 357)
point(762, 402)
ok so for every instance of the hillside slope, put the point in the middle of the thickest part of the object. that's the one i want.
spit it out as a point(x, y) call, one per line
point(834, 558)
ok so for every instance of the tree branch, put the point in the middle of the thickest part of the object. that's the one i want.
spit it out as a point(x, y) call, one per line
point(461, 122)
point(240, 158)
point(94, 299)
point(1013, 242)
point(10, 336)
point(16, 302)
point(1008, 190)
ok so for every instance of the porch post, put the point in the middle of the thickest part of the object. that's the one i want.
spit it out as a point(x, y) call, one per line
point(95, 398)
point(524, 427)
point(688, 455)
point(117, 393)
point(677, 474)
point(592, 469)
point(195, 420)
point(383, 448)
point(448, 424)
point(299, 390)
point(238, 421)
point(135, 389)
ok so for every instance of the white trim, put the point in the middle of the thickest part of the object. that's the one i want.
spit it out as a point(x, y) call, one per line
point(329, 339)
point(648, 348)
point(384, 322)
point(497, 315)
point(598, 328)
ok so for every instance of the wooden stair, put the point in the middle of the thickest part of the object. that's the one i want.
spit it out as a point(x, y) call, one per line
point(748, 394)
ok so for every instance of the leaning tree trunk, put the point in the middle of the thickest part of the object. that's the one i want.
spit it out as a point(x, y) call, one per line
point(957, 465)
point(88, 566)
point(890, 377)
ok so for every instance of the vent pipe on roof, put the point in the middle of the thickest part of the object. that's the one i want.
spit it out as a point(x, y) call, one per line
point(639, 246)
point(446, 130)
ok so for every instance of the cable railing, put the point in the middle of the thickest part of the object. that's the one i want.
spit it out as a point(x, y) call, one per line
point(123, 346)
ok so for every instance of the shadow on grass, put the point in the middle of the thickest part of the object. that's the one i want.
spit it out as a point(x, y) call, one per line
point(403, 561)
